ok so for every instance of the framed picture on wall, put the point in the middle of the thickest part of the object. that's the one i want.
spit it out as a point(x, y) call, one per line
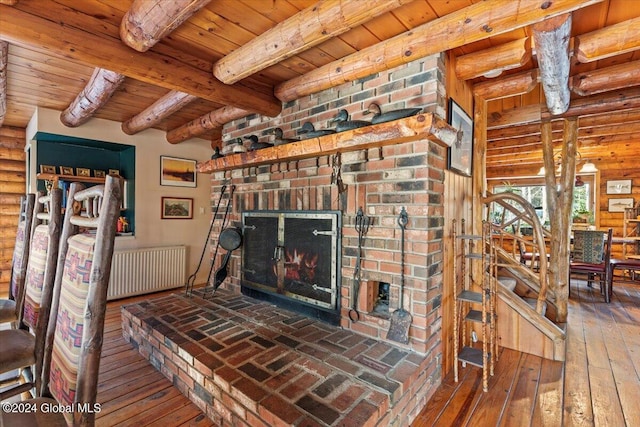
point(177, 172)
point(47, 169)
point(619, 205)
point(177, 208)
point(83, 172)
point(461, 152)
point(64, 170)
point(620, 186)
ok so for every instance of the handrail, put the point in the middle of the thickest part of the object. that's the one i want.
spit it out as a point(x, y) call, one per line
point(522, 211)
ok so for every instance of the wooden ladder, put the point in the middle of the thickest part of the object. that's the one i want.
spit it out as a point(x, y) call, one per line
point(474, 301)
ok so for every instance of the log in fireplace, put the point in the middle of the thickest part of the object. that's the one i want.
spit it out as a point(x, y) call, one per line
point(292, 259)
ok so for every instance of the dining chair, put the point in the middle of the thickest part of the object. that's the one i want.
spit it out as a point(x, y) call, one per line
point(73, 341)
point(11, 307)
point(591, 255)
point(23, 348)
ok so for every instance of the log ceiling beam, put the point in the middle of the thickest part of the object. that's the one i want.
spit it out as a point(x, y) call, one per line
point(494, 60)
point(102, 84)
point(551, 38)
point(473, 23)
point(149, 21)
point(4, 55)
point(607, 79)
point(609, 41)
point(302, 31)
point(516, 84)
point(8, 2)
point(515, 116)
point(158, 111)
point(24, 29)
point(205, 123)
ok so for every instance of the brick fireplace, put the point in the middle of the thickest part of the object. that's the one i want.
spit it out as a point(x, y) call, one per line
point(384, 382)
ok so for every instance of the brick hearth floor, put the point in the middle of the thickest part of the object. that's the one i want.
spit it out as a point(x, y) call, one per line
point(247, 362)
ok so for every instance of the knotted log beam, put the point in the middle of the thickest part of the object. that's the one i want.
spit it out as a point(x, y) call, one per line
point(102, 84)
point(609, 41)
point(4, 54)
point(551, 38)
point(607, 79)
point(307, 28)
point(205, 123)
point(516, 84)
point(148, 21)
point(476, 22)
point(496, 59)
point(158, 111)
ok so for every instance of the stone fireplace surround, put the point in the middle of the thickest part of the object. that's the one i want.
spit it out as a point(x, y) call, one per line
point(381, 180)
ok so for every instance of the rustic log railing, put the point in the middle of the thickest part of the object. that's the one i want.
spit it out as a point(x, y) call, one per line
point(509, 213)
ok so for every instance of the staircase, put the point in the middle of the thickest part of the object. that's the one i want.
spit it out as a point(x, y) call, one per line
point(474, 302)
point(525, 305)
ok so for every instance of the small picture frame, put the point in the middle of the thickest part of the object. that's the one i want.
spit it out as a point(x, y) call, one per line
point(65, 170)
point(619, 205)
point(83, 172)
point(620, 186)
point(99, 173)
point(115, 172)
point(176, 208)
point(461, 152)
point(177, 172)
point(47, 169)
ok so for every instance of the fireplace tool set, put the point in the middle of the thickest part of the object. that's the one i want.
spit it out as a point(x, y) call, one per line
point(401, 318)
point(362, 227)
point(230, 239)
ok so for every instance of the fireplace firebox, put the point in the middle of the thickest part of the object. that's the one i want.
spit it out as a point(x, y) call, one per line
point(293, 260)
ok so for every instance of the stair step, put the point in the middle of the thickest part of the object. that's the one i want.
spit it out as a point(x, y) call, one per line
point(476, 316)
point(508, 282)
point(533, 302)
point(470, 296)
point(472, 356)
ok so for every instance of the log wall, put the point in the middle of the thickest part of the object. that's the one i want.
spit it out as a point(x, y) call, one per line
point(12, 186)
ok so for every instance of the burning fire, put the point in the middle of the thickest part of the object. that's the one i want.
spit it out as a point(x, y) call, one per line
point(300, 266)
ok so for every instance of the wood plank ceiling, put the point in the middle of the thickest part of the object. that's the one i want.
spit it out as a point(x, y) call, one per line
point(54, 47)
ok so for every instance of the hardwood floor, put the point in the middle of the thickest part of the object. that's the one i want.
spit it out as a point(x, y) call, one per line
point(597, 386)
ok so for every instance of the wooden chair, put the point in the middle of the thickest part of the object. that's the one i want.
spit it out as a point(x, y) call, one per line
point(74, 337)
point(22, 348)
point(11, 308)
point(591, 255)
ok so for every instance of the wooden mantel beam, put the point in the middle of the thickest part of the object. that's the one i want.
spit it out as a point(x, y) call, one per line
point(156, 112)
point(494, 60)
point(102, 84)
point(476, 22)
point(4, 54)
point(551, 38)
point(148, 21)
point(607, 79)
point(609, 41)
point(307, 28)
point(205, 123)
point(71, 43)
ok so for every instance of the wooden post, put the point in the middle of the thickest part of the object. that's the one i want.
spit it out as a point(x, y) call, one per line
point(4, 55)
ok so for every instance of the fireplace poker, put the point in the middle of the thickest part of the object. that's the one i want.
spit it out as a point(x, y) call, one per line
point(191, 280)
point(401, 318)
point(362, 227)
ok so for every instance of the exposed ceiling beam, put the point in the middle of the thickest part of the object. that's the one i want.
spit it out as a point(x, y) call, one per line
point(494, 60)
point(148, 21)
point(551, 38)
point(310, 27)
point(4, 54)
point(102, 84)
point(205, 123)
point(156, 112)
point(516, 84)
point(73, 44)
point(473, 23)
point(607, 79)
point(610, 101)
point(514, 116)
point(608, 41)
point(8, 2)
